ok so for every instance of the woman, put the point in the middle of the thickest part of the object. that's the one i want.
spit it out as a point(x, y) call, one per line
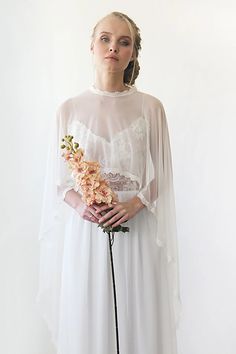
point(126, 131)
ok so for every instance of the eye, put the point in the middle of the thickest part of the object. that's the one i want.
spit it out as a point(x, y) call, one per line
point(104, 39)
point(124, 42)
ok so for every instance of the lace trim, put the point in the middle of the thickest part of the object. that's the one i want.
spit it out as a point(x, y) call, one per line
point(137, 126)
point(119, 182)
point(130, 89)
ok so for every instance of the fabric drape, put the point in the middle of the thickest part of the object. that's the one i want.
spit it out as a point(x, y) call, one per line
point(127, 133)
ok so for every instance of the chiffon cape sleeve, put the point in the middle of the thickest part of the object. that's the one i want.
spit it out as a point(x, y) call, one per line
point(55, 213)
point(158, 194)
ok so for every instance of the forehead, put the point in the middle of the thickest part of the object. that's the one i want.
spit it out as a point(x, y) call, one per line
point(113, 25)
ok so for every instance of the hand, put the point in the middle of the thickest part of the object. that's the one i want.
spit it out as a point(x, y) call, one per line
point(88, 212)
point(119, 212)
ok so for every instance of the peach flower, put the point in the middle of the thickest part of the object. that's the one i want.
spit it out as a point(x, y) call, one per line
point(87, 175)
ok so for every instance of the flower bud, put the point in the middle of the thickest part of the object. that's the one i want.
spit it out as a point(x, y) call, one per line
point(63, 146)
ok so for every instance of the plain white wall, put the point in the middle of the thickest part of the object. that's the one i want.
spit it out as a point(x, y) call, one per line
point(188, 62)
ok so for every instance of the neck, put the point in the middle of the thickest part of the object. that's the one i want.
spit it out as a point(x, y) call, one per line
point(110, 82)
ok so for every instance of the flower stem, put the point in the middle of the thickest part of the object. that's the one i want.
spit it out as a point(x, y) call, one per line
point(111, 240)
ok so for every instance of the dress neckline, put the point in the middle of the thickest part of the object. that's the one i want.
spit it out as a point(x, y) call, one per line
point(129, 91)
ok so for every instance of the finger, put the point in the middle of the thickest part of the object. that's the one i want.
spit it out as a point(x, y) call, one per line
point(94, 213)
point(91, 218)
point(113, 219)
point(94, 220)
point(115, 210)
point(108, 215)
point(120, 221)
point(105, 207)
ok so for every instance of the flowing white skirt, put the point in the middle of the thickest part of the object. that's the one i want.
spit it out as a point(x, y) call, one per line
point(86, 321)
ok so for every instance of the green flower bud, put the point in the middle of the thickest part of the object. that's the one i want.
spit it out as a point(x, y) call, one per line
point(63, 146)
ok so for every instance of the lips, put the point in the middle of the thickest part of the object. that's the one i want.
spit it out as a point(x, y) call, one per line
point(112, 57)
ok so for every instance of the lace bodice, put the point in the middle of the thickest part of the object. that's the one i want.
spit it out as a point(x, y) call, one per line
point(116, 155)
point(123, 143)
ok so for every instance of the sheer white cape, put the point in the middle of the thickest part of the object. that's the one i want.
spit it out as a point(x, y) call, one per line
point(127, 133)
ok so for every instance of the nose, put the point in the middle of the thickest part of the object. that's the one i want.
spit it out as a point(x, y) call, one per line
point(114, 49)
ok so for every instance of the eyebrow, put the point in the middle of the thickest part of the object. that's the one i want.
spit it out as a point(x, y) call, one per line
point(111, 33)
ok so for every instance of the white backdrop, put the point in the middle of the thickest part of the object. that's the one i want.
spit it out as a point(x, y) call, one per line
point(188, 62)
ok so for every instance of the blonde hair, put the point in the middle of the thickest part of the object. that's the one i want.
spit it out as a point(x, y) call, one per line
point(132, 71)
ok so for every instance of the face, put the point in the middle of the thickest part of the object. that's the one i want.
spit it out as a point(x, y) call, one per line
point(112, 47)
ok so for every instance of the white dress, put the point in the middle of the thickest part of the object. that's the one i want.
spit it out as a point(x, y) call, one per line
point(127, 133)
